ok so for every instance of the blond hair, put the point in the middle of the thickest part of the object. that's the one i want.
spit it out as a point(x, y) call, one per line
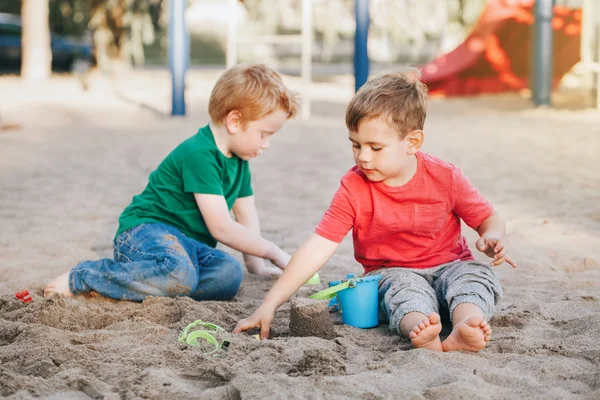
point(397, 97)
point(253, 90)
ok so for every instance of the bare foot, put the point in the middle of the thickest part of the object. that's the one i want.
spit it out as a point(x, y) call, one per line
point(471, 335)
point(60, 286)
point(427, 333)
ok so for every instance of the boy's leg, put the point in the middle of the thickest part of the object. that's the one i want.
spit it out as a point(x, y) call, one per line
point(150, 260)
point(411, 306)
point(219, 274)
point(470, 290)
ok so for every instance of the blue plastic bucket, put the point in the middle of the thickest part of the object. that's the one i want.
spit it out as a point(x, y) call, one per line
point(358, 299)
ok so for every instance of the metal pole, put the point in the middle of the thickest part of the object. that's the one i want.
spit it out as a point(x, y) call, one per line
point(597, 65)
point(361, 55)
point(307, 35)
point(541, 72)
point(232, 39)
point(587, 27)
point(179, 55)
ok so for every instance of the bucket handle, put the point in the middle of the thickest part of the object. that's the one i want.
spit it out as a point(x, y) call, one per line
point(331, 292)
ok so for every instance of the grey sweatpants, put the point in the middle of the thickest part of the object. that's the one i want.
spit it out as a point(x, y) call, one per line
point(404, 290)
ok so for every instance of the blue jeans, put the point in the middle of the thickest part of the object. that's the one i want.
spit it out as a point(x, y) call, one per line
point(158, 260)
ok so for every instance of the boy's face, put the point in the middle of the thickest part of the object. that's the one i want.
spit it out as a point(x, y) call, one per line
point(249, 142)
point(380, 153)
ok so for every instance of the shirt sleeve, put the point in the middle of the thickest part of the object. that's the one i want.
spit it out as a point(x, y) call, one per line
point(246, 187)
point(201, 173)
point(469, 204)
point(339, 218)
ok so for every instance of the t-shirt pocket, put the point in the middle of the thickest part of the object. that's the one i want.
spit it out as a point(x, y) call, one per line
point(429, 219)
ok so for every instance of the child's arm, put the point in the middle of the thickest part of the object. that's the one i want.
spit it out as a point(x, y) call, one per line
point(491, 242)
point(307, 260)
point(245, 213)
point(233, 234)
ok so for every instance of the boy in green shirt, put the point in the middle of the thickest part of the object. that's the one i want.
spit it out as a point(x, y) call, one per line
point(165, 244)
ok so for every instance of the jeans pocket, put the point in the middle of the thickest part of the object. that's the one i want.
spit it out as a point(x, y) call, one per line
point(120, 257)
point(126, 236)
point(144, 242)
point(204, 255)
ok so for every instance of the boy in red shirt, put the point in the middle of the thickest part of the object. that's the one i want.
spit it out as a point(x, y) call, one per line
point(404, 208)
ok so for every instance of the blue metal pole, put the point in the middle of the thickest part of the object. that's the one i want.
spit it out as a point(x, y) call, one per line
point(361, 56)
point(542, 58)
point(179, 55)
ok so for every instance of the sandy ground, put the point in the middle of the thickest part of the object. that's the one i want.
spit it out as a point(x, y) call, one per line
point(79, 157)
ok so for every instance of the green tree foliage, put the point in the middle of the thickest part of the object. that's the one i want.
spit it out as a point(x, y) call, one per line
point(67, 17)
point(120, 28)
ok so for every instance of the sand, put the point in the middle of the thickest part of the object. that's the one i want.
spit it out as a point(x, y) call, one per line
point(72, 160)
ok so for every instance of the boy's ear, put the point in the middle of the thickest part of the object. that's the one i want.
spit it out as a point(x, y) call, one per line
point(415, 141)
point(233, 122)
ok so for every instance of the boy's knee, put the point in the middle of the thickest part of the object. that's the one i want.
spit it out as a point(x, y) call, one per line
point(474, 277)
point(480, 286)
point(230, 273)
point(221, 280)
point(181, 280)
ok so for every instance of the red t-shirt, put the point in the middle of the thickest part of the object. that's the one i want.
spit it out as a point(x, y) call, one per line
point(416, 225)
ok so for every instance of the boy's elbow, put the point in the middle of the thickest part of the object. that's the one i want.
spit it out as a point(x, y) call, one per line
point(492, 221)
point(220, 232)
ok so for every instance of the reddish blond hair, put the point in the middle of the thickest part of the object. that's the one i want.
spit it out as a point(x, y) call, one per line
point(253, 90)
point(397, 97)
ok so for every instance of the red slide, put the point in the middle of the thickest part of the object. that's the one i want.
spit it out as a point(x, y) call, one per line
point(496, 56)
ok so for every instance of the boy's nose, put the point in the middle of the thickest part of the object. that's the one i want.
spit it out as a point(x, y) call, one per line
point(265, 144)
point(363, 156)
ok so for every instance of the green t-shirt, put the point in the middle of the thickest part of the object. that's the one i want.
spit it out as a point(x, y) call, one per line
point(195, 166)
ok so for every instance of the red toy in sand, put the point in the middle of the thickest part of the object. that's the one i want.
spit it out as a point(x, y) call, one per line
point(24, 295)
point(496, 56)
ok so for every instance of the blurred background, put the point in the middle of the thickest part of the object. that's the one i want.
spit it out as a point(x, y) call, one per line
point(135, 31)
point(112, 37)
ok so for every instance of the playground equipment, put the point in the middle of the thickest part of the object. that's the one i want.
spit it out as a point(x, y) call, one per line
point(361, 55)
point(496, 56)
point(510, 40)
point(304, 39)
point(541, 69)
point(590, 42)
point(179, 55)
point(179, 48)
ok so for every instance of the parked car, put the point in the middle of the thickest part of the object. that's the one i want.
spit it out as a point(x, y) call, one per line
point(67, 54)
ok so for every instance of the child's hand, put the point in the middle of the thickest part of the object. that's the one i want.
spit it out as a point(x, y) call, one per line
point(278, 257)
point(261, 318)
point(257, 266)
point(494, 248)
point(283, 261)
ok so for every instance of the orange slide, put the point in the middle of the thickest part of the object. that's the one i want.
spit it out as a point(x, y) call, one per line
point(496, 56)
